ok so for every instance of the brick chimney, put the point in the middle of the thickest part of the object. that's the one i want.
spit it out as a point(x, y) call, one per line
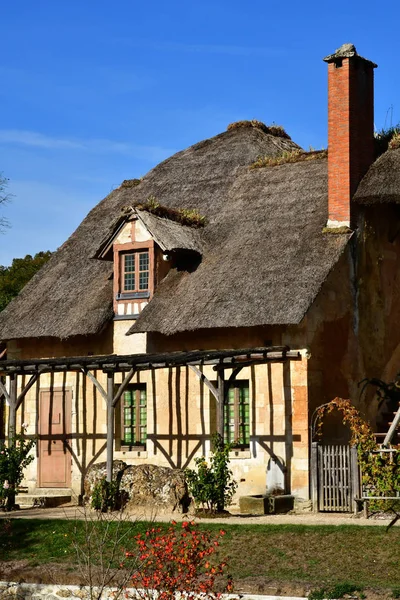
point(350, 129)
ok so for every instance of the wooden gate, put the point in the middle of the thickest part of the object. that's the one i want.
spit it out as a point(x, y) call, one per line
point(334, 477)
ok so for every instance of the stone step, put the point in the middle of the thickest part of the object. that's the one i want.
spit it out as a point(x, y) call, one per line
point(44, 497)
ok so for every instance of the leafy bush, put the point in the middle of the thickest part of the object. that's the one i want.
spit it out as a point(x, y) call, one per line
point(212, 486)
point(14, 458)
point(105, 495)
point(180, 560)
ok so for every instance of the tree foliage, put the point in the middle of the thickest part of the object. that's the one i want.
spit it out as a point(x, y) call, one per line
point(13, 278)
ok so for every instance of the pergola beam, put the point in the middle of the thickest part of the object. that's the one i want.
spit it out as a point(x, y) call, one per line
point(123, 387)
point(205, 380)
point(142, 362)
point(96, 383)
point(26, 389)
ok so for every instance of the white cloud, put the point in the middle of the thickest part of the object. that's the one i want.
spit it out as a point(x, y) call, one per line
point(230, 50)
point(94, 146)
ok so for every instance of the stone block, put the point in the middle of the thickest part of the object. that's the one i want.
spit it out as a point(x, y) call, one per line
point(264, 505)
point(153, 487)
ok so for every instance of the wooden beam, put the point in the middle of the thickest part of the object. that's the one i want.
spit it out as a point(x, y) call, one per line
point(96, 383)
point(392, 429)
point(12, 418)
point(110, 425)
point(232, 378)
point(4, 392)
point(221, 402)
point(206, 381)
point(123, 387)
point(26, 389)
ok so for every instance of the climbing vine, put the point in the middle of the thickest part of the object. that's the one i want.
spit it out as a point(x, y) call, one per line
point(380, 469)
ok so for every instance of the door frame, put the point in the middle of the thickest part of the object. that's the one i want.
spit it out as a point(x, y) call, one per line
point(67, 391)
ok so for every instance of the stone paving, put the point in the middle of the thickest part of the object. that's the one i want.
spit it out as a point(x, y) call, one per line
point(36, 591)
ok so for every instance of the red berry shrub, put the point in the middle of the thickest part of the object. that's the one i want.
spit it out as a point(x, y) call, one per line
point(180, 560)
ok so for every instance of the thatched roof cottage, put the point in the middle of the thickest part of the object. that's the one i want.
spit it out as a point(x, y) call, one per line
point(236, 287)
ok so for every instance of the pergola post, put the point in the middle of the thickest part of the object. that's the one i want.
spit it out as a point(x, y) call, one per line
point(110, 425)
point(12, 420)
point(221, 402)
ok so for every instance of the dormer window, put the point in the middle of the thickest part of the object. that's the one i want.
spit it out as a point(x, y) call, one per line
point(135, 269)
point(144, 247)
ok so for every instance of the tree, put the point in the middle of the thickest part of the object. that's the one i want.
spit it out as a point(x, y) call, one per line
point(13, 278)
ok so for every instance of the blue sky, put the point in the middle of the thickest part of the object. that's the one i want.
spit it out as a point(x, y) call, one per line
point(94, 92)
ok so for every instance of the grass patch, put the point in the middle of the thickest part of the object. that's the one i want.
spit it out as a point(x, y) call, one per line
point(292, 156)
point(319, 556)
point(275, 130)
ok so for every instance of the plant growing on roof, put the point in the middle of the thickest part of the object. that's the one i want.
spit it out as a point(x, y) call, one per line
point(212, 485)
point(14, 458)
point(386, 138)
point(288, 156)
point(185, 216)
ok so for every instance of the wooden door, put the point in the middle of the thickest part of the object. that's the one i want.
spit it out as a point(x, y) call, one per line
point(54, 433)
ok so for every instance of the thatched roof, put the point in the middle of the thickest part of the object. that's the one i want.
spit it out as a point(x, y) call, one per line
point(264, 260)
point(382, 181)
point(264, 254)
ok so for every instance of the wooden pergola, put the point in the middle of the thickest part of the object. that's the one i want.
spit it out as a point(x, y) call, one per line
point(129, 365)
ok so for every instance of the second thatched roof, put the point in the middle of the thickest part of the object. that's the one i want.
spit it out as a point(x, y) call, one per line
point(382, 182)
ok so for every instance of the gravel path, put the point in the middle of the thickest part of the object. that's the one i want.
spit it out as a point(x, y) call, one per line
point(74, 512)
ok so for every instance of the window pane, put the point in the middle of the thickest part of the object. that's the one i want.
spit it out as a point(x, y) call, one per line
point(129, 263)
point(129, 281)
point(143, 280)
point(143, 261)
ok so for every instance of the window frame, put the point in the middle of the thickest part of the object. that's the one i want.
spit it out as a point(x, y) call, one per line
point(136, 254)
point(137, 388)
point(130, 248)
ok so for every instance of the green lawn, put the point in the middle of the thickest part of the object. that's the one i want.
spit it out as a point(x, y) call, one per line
point(315, 555)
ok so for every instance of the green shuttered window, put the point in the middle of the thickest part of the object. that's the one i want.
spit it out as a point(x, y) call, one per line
point(237, 415)
point(134, 416)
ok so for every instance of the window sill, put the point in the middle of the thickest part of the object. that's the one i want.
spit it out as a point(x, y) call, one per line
point(239, 453)
point(133, 295)
point(125, 317)
point(134, 452)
